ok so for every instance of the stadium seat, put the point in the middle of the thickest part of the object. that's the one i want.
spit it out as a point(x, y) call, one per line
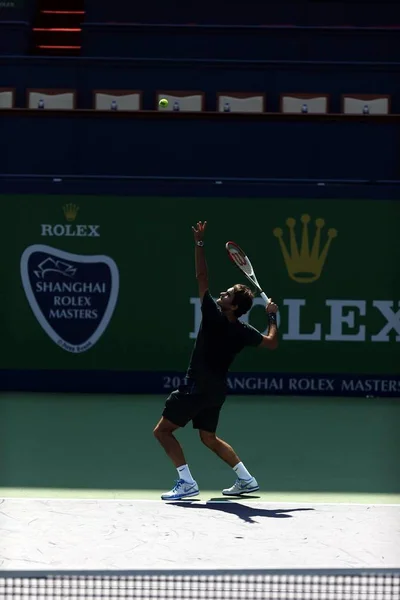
point(357, 104)
point(48, 99)
point(191, 101)
point(117, 100)
point(241, 102)
point(307, 103)
point(7, 98)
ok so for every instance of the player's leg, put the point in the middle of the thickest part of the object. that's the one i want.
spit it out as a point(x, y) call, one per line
point(177, 413)
point(219, 447)
point(206, 422)
point(163, 432)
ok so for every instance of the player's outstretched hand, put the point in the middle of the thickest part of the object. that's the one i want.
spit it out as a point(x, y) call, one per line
point(271, 307)
point(199, 231)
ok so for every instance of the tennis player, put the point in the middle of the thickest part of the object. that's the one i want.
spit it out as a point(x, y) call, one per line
point(221, 337)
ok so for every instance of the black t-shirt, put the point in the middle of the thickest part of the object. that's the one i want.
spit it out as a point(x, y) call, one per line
point(218, 342)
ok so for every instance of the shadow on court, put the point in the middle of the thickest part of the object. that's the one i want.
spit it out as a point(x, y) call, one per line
point(246, 513)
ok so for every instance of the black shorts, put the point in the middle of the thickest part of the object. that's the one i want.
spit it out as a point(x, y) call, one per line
point(188, 403)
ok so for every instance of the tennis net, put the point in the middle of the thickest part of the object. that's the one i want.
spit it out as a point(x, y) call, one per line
point(348, 584)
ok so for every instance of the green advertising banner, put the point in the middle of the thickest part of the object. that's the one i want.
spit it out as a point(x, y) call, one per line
point(108, 284)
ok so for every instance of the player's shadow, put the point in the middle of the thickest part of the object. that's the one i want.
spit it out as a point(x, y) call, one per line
point(244, 512)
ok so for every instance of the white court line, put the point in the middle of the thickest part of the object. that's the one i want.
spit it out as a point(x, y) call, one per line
point(133, 500)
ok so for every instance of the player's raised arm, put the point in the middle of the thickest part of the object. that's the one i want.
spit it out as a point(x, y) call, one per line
point(201, 265)
point(271, 340)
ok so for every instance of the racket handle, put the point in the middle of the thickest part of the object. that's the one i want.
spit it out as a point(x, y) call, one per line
point(264, 297)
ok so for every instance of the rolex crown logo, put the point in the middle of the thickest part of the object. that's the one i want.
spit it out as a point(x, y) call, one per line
point(304, 265)
point(70, 212)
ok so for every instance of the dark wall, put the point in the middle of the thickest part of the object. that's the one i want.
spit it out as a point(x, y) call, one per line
point(199, 146)
point(253, 12)
point(256, 43)
point(15, 37)
point(17, 10)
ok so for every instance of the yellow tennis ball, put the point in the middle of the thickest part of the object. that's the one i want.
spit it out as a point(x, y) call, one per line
point(163, 102)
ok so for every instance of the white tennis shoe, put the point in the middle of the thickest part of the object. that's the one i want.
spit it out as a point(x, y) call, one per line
point(181, 489)
point(242, 486)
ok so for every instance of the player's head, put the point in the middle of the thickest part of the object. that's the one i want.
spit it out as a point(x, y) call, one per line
point(237, 299)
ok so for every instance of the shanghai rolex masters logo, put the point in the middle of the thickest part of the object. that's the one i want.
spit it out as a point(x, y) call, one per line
point(72, 295)
point(304, 264)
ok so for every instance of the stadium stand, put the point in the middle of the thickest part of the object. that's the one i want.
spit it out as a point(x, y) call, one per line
point(274, 62)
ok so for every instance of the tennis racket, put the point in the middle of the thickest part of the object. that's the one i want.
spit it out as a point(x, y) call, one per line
point(242, 261)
